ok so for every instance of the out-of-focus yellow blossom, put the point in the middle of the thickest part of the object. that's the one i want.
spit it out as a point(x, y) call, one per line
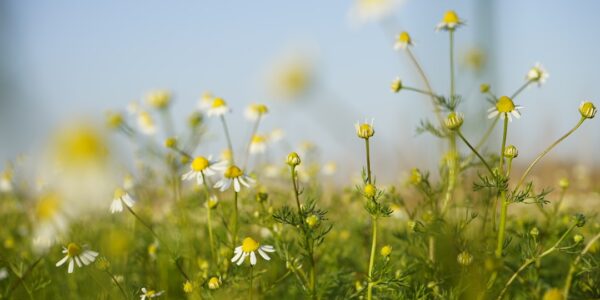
point(159, 99)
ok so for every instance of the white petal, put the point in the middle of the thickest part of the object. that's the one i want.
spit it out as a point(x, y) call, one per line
point(268, 248)
point(252, 258)
point(78, 261)
point(199, 178)
point(128, 200)
point(188, 175)
point(237, 255)
point(62, 261)
point(492, 114)
point(236, 185)
point(241, 260)
point(116, 206)
point(71, 266)
point(263, 254)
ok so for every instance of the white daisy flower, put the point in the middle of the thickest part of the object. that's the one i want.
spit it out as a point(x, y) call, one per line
point(202, 166)
point(329, 168)
point(50, 221)
point(217, 108)
point(148, 294)
point(146, 123)
point(537, 74)
point(76, 254)
point(450, 21)
point(258, 144)
point(506, 108)
point(234, 175)
point(159, 99)
point(248, 248)
point(276, 135)
point(403, 40)
point(120, 197)
point(364, 11)
point(256, 111)
point(206, 101)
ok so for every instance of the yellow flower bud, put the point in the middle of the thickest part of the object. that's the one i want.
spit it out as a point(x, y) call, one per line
point(386, 250)
point(396, 85)
point(370, 190)
point(454, 121)
point(293, 159)
point(587, 109)
point(511, 152)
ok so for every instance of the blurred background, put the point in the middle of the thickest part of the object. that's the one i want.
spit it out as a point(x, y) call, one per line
point(319, 65)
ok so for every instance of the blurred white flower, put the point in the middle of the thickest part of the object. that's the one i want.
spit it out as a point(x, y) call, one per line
point(258, 144)
point(121, 197)
point(148, 294)
point(255, 111)
point(77, 254)
point(364, 11)
point(233, 175)
point(217, 108)
point(537, 74)
point(146, 123)
point(329, 168)
point(3, 274)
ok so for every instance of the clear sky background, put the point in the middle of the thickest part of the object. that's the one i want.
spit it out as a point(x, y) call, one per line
point(66, 57)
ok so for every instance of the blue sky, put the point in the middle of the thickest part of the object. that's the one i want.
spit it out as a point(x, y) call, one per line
point(69, 57)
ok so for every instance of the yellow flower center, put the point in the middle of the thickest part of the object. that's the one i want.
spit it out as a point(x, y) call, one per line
point(260, 109)
point(188, 287)
point(150, 293)
point(404, 37)
point(199, 163)
point(213, 283)
point(370, 190)
point(451, 17)
point(233, 172)
point(119, 193)
point(47, 206)
point(249, 245)
point(218, 102)
point(258, 139)
point(505, 105)
point(73, 250)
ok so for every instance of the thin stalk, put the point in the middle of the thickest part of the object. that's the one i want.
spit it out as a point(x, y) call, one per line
point(462, 137)
point(532, 260)
point(21, 280)
point(522, 88)
point(436, 108)
point(114, 279)
point(452, 65)
point(504, 202)
point(369, 179)
point(372, 257)
point(209, 222)
point(452, 172)
point(573, 267)
point(483, 140)
point(541, 155)
point(250, 287)
point(235, 218)
point(228, 137)
point(408, 88)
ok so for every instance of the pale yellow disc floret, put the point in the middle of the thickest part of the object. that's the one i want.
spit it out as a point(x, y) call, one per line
point(233, 172)
point(73, 250)
point(505, 105)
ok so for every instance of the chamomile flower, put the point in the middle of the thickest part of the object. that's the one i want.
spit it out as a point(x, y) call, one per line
point(121, 197)
point(148, 294)
point(537, 74)
point(258, 144)
point(256, 111)
point(159, 99)
point(217, 108)
point(276, 135)
point(206, 101)
point(364, 130)
point(364, 11)
point(450, 21)
point(50, 220)
point(76, 254)
point(146, 123)
point(3, 274)
point(329, 168)
point(234, 175)
point(248, 248)
point(202, 166)
point(403, 40)
point(506, 108)
point(214, 283)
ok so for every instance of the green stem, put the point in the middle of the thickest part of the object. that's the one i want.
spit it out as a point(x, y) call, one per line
point(573, 266)
point(503, 201)
point(504, 133)
point(114, 279)
point(541, 155)
point(209, 222)
point(372, 257)
point(408, 88)
point(452, 172)
point(21, 280)
point(436, 108)
point(522, 88)
point(532, 260)
point(369, 179)
point(250, 287)
point(483, 140)
point(235, 218)
point(229, 144)
point(452, 66)
point(475, 152)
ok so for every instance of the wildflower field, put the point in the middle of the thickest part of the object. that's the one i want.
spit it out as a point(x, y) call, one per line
point(167, 219)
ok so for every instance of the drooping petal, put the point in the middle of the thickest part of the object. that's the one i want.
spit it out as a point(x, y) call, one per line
point(268, 248)
point(71, 266)
point(237, 255)
point(252, 258)
point(128, 200)
point(263, 254)
point(62, 261)
point(236, 185)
